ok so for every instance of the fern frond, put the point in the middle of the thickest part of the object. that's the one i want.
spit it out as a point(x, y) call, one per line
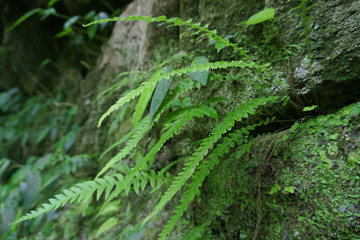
point(139, 132)
point(206, 144)
point(116, 85)
point(151, 83)
point(175, 22)
point(203, 171)
point(156, 180)
point(181, 87)
point(157, 76)
point(171, 132)
point(123, 139)
point(80, 193)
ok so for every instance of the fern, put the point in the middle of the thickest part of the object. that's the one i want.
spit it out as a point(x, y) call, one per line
point(175, 22)
point(81, 192)
point(206, 144)
point(183, 86)
point(116, 85)
point(139, 132)
point(204, 169)
point(199, 112)
point(197, 166)
point(123, 139)
point(157, 76)
point(156, 180)
point(143, 102)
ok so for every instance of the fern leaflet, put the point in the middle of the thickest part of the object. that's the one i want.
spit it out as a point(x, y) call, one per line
point(141, 129)
point(123, 139)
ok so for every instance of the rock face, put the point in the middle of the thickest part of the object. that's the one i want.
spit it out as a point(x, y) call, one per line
point(334, 48)
point(334, 41)
point(334, 77)
point(334, 45)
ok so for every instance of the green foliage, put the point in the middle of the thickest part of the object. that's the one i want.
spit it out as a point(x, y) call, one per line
point(24, 17)
point(150, 84)
point(160, 92)
point(168, 113)
point(28, 124)
point(167, 108)
point(204, 169)
point(71, 23)
point(211, 35)
point(261, 16)
point(197, 233)
point(310, 108)
point(81, 192)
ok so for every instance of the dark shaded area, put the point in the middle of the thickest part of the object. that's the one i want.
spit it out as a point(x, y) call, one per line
point(33, 59)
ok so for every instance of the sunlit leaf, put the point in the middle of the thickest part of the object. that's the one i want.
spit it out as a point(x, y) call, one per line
point(52, 2)
point(24, 17)
point(64, 33)
point(310, 108)
point(261, 16)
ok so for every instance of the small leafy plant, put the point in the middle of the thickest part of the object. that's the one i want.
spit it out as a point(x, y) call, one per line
point(161, 94)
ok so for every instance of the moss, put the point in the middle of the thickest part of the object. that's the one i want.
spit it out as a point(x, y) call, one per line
point(323, 168)
point(309, 179)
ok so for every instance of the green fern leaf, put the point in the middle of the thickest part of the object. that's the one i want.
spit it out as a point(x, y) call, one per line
point(113, 87)
point(132, 94)
point(123, 139)
point(140, 131)
point(24, 17)
point(106, 226)
point(169, 134)
point(183, 86)
point(206, 144)
point(203, 171)
point(198, 233)
point(174, 22)
point(143, 101)
point(80, 192)
point(157, 77)
point(172, 131)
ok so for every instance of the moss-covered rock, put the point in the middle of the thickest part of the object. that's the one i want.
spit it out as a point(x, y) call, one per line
point(307, 178)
